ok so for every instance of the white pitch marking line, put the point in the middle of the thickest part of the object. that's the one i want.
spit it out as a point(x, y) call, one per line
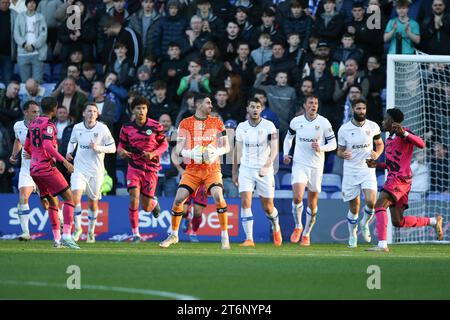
point(147, 292)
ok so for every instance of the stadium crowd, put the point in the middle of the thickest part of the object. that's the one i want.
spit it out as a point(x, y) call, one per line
point(275, 50)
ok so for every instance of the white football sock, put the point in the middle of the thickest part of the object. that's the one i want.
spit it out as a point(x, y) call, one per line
point(77, 216)
point(382, 244)
point(273, 217)
point(24, 217)
point(247, 222)
point(92, 220)
point(352, 221)
point(310, 221)
point(297, 210)
point(368, 215)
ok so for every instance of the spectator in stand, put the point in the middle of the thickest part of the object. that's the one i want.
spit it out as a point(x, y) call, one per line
point(435, 30)
point(370, 40)
point(246, 28)
point(117, 33)
point(269, 26)
point(33, 91)
point(30, 35)
point(347, 50)
point(280, 62)
point(120, 13)
point(144, 23)
point(173, 68)
point(402, 33)
point(69, 96)
point(243, 65)
point(167, 176)
point(8, 48)
point(187, 107)
point(170, 28)
point(61, 122)
point(144, 87)
point(226, 109)
point(212, 66)
point(161, 103)
point(377, 82)
point(107, 109)
point(294, 52)
point(323, 84)
point(123, 66)
point(253, 10)
point(10, 110)
point(306, 88)
point(6, 175)
point(299, 22)
point(210, 22)
point(233, 84)
point(281, 98)
point(263, 53)
point(195, 81)
point(83, 38)
point(439, 165)
point(351, 76)
point(228, 45)
point(48, 9)
point(89, 73)
point(329, 25)
point(267, 114)
point(195, 38)
point(82, 85)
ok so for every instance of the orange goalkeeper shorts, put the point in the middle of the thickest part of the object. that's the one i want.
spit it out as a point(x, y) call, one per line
point(192, 179)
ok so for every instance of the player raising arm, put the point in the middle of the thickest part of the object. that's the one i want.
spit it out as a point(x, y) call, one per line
point(314, 136)
point(399, 151)
point(256, 150)
point(201, 141)
point(93, 140)
point(356, 139)
point(41, 145)
point(142, 142)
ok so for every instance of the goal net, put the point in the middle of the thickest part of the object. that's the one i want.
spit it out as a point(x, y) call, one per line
point(420, 86)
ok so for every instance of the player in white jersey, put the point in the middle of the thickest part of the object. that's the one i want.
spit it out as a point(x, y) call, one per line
point(313, 137)
point(26, 184)
point(356, 140)
point(256, 150)
point(93, 140)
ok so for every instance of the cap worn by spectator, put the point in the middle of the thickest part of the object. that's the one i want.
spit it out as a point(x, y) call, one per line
point(231, 124)
point(144, 68)
point(322, 44)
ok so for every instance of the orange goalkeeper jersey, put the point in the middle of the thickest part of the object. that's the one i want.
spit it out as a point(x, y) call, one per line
point(196, 131)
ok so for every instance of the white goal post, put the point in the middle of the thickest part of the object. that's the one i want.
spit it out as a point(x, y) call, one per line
point(420, 86)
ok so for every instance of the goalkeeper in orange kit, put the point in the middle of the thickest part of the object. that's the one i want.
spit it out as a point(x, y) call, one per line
point(201, 141)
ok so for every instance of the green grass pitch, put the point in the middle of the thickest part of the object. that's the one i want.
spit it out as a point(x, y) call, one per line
point(34, 270)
